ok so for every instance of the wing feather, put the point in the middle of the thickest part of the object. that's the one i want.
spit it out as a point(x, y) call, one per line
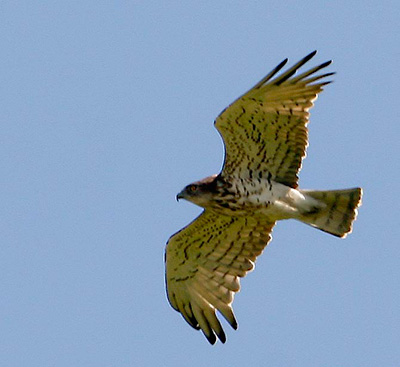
point(202, 277)
point(265, 131)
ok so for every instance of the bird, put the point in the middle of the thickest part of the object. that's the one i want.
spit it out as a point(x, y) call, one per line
point(265, 138)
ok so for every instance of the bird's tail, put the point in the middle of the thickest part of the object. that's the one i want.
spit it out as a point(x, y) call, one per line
point(337, 212)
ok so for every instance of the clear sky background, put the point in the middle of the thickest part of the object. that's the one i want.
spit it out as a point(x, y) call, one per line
point(107, 111)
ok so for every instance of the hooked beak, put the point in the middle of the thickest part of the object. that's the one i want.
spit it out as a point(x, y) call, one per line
point(180, 196)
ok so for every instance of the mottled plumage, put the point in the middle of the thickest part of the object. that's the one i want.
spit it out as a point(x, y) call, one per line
point(265, 137)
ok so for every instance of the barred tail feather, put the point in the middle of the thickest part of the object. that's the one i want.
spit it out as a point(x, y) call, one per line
point(337, 213)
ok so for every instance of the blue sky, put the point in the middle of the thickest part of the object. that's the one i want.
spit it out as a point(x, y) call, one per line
point(107, 111)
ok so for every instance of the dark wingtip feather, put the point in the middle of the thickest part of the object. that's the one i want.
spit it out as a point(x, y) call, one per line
point(282, 64)
point(325, 64)
point(294, 68)
point(222, 337)
point(271, 74)
point(310, 56)
point(211, 338)
point(326, 83)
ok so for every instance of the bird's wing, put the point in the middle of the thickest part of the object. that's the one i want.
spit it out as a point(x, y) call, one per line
point(204, 262)
point(264, 131)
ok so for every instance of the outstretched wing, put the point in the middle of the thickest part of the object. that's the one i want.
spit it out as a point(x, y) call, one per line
point(264, 131)
point(204, 262)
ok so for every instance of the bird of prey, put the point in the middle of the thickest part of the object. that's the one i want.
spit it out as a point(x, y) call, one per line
point(265, 137)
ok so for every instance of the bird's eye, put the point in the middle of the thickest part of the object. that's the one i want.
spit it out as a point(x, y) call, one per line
point(192, 188)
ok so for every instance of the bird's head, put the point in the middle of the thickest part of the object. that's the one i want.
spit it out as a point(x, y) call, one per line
point(199, 192)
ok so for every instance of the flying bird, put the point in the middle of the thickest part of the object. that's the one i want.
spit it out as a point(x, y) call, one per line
point(265, 137)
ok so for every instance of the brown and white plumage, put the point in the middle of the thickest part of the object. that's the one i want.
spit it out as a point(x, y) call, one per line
point(265, 137)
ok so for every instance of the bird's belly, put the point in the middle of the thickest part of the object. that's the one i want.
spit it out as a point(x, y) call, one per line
point(271, 201)
point(265, 197)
